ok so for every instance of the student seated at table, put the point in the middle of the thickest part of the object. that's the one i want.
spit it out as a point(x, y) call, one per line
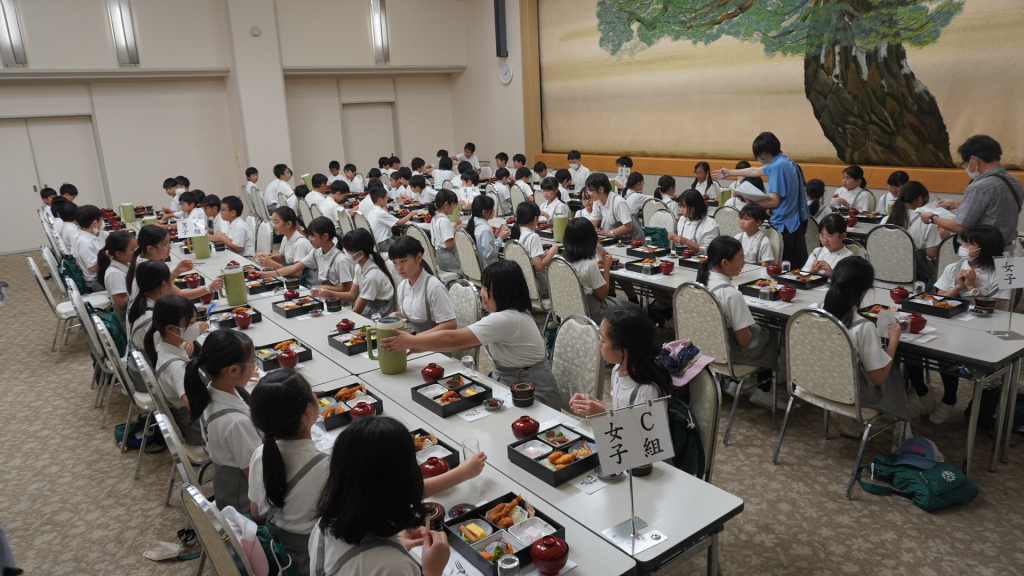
point(190, 209)
point(252, 176)
point(171, 188)
point(580, 243)
point(749, 343)
point(589, 211)
point(501, 178)
point(467, 189)
point(564, 179)
point(418, 166)
point(53, 213)
point(518, 161)
point(334, 167)
point(757, 249)
point(422, 299)
point(154, 244)
point(580, 173)
point(880, 386)
point(373, 289)
point(211, 213)
point(527, 218)
point(695, 229)
point(403, 193)
point(895, 182)
point(442, 230)
point(523, 176)
point(627, 342)
point(227, 361)
point(381, 221)
point(704, 183)
point(287, 472)
point(613, 218)
point(666, 193)
point(905, 212)
point(154, 280)
point(816, 205)
point(294, 245)
point(500, 161)
point(488, 241)
point(469, 155)
point(354, 181)
point(370, 513)
point(373, 174)
point(316, 196)
point(541, 170)
point(633, 192)
point(168, 344)
point(384, 165)
point(86, 243)
point(69, 229)
point(509, 332)
point(974, 275)
point(47, 195)
point(331, 207)
point(854, 193)
point(421, 192)
point(112, 270)
point(394, 186)
point(552, 205)
point(237, 238)
point(334, 269)
point(824, 259)
point(443, 173)
point(622, 164)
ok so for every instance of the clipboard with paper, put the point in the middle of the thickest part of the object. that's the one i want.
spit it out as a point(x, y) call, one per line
point(750, 192)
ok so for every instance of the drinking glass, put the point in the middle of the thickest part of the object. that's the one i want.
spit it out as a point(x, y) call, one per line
point(508, 565)
point(919, 287)
point(470, 447)
point(765, 293)
point(469, 363)
point(786, 266)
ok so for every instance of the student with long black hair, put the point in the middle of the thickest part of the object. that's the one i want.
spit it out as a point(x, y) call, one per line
point(854, 193)
point(112, 261)
point(226, 362)
point(509, 332)
point(666, 193)
point(155, 244)
point(895, 182)
point(333, 268)
point(488, 241)
point(749, 343)
point(442, 230)
point(695, 229)
point(905, 212)
point(154, 281)
point(287, 472)
point(552, 205)
point(294, 245)
point(880, 386)
point(704, 183)
point(816, 205)
point(371, 509)
point(580, 244)
point(633, 193)
point(422, 299)
point(174, 320)
point(373, 289)
point(627, 342)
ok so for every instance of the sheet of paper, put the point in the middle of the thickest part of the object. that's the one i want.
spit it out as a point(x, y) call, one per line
point(934, 209)
point(478, 413)
point(749, 191)
point(926, 339)
point(589, 483)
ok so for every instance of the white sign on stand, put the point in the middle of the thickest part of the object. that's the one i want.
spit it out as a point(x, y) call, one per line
point(190, 228)
point(632, 437)
point(1009, 276)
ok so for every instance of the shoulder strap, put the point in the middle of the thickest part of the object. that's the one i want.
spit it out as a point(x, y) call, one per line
point(303, 471)
point(218, 414)
point(352, 553)
point(166, 364)
point(1012, 191)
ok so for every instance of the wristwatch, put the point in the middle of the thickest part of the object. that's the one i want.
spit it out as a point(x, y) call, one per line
point(974, 292)
point(931, 218)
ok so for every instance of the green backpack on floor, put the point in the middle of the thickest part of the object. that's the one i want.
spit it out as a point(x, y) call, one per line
point(942, 486)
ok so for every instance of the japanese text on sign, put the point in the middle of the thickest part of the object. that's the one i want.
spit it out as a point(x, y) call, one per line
point(1009, 273)
point(190, 228)
point(633, 437)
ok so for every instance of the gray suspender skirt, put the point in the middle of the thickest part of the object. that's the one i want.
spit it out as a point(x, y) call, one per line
point(297, 545)
point(891, 396)
point(350, 555)
point(762, 350)
point(545, 389)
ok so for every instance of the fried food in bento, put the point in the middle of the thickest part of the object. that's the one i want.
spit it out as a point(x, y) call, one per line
point(505, 523)
point(421, 441)
point(554, 456)
point(447, 398)
point(346, 394)
point(502, 510)
point(283, 345)
point(565, 460)
point(240, 309)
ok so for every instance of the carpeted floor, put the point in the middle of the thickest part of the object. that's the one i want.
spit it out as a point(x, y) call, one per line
point(69, 506)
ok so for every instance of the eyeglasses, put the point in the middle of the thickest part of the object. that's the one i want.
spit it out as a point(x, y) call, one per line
point(823, 236)
point(255, 364)
point(164, 244)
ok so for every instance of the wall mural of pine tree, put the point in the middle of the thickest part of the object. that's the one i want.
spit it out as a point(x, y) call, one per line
point(864, 95)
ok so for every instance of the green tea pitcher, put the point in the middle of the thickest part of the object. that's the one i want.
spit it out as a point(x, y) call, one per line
point(558, 224)
point(390, 362)
point(127, 211)
point(234, 285)
point(455, 216)
point(149, 220)
point(201, 246)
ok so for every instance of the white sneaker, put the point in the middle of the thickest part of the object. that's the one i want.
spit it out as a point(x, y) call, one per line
point(846, 426)
point(732, 387)
point(763, 398)
point(941, 413)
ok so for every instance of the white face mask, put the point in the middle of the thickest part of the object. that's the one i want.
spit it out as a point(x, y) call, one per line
point(190, 334)
point(971, 175)
point(574, 165)
point(965, 254)
point(179, 190)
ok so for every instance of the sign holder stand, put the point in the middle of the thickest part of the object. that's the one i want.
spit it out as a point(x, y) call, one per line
point(1009, 334)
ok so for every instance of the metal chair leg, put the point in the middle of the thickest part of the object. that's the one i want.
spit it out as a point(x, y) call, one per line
point(735, 403)
point(202, 563)
point(127, 427)
point(142, 444)
point(170, 485)
point(860, 455)
point(56, 335)
point(106, 403)
point(826, 423)
point(782, 431)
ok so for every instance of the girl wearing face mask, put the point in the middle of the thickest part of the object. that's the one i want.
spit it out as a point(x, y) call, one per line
point(823, 260)
point(373, 289)
point(974, 275)
point(174, 319)
point(906, 213)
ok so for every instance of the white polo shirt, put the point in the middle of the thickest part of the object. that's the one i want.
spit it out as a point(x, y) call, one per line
point(701, 231)
point(373, 283)
point(756, 248)
point(240, 235)
point(381, 222)
point(334, 268)
point(736, 309)
point(231, 439)
point(471, 159)
point(412, 300)
point(296, 247)
point(511, 337)
point(86, 248)
point(830, 258)
point(299, 512)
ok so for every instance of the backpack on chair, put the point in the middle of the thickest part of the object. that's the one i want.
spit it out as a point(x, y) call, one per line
point(69, 269)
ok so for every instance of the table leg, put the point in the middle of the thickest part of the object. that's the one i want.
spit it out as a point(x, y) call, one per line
point(1010, 406)
point(1004, 390)
point(713, 555)
point(972, 425)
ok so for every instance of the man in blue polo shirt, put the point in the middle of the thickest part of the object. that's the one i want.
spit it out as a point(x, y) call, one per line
point(785, 189)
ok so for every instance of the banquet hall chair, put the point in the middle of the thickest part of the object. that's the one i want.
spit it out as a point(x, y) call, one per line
point(576, 361)
point(648, 210)
point(467, 305)
point(811, 237)
point(857, 248)
point(264, 237)
point(947, 254)
point(414, 231)
point(360, 222)
point(516, 196)
point(465, 251)
point(775, 239)
point(728, 220)
point(662, 218)
point(517, 253)
point(219, 542)
point(565, 290)
point(705, 405)
point(64, 312)
point(304, 212)
point(103, 371)
point(894, 254)
point(315, 211)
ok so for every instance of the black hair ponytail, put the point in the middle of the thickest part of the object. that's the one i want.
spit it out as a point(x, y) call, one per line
point(149, 236)
point(222, 349)
point(665, 183)
point(851, 277)
point(856, 173)
point(360, 240)
point(116, 242)
point(482, 204)
point(707, 169)
point(152, 274)
point(526, 213)
point(634, 179)
point(909, 192)
point(721, 248)
point(633, 332)
point(444, 196)
point(169, 309)
point(277, 404)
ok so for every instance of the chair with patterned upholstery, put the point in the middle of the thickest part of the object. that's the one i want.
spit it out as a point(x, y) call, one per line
point(516, 197)
point(662, 218)
point(247, 209)
point(775, 239)
point(649, 208)
point(314, 210)
point(811, 237)
point(813, 334)
point(282, 199)
point(565, 290)
point(447, 185)
point(190, 455)
point(414, 231)
point(485, 172)
point(465, 251)
point(103, 371)
point(947, 254)
point(264, 237)
point(345, 222)
point(728, 220)
point(515, 252)
point(467, 305)
point(857, 248)
point(894, 254)
point(304, 212)
point(700, 318)
point(499, 208)
point(576, 360)
point(360, 221)
point(705, 405)
point(219, 542)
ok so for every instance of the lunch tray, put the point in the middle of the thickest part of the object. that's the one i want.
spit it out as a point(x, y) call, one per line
point(344, 419)
point(301, 310)
point(461, 405)
point(751, 289)
point(789, 278)
point(910, 305)
point(338, 342)
point(305, 355)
